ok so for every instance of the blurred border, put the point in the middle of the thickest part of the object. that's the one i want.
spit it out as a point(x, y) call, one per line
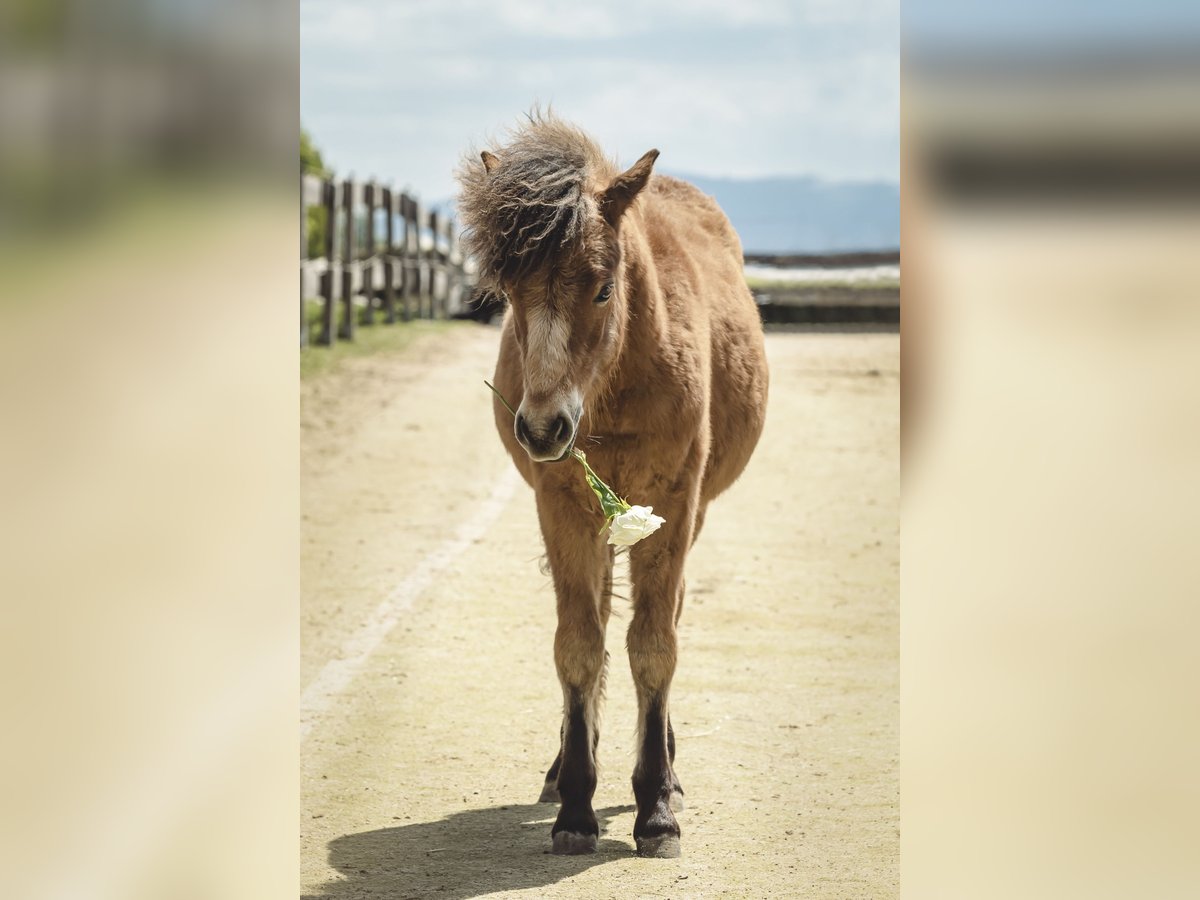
point(148, 246)
point(1051, 350)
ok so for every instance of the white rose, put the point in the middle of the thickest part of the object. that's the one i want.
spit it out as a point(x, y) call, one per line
point(631, 526)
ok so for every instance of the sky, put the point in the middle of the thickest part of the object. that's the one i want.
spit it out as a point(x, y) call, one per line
point(1023, 25)
point(744, 88)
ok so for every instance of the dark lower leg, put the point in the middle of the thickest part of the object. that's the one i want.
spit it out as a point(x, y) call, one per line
point(652, 648)
point(676, 787)
point(677, 803)
point(550, 787)
point(550, 792)
point(655, 829)
point(576, 829)
point(579, 658)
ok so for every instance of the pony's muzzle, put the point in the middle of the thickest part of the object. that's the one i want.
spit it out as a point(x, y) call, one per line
point(548, 437)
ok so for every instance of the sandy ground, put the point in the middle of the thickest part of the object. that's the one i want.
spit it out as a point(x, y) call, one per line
point(431, 706)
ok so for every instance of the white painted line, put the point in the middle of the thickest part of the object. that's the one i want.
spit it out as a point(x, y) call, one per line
point(337, 674)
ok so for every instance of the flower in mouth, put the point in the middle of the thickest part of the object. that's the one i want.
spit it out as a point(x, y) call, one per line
point(632, 525)
point(627, 523)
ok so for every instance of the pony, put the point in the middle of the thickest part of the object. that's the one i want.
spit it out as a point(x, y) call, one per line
point(630, 332)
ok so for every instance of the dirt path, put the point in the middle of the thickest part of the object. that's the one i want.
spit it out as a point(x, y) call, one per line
point(431, 705)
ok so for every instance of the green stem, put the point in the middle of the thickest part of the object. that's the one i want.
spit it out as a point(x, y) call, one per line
point(579, 455)
point(501, 396)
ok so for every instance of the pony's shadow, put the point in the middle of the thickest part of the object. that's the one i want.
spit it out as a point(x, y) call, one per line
point(466, 854)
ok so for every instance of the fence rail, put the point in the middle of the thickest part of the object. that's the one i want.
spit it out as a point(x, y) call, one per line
point(384, 254)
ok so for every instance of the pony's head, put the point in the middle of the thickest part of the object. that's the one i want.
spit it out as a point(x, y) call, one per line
point(541, 218)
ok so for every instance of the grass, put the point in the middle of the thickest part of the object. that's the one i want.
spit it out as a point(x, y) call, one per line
point(782, 286)
point(316, 360)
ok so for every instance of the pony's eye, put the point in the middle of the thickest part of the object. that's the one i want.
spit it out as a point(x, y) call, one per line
point(605, 293)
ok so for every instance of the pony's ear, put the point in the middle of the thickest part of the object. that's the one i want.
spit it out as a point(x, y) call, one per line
point(625, 187)
point(490, 161)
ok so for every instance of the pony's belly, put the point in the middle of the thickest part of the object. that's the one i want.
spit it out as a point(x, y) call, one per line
point(736, 420)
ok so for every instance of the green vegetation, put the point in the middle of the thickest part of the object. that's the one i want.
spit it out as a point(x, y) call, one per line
point(318, 221)
point(378, 338)
point(311, 163)
point(791, 287)
point(37, 24)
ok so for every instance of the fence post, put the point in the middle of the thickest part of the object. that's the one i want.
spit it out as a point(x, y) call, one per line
point(435, 265)
point(424, 306)
point(329, 197)
point(370, 198)
point(406, 258)
point(453, 269)
point(389, 256)
point(349, 262)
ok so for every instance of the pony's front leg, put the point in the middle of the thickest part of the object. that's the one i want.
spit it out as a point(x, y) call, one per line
point(580, 566)
point(657, 568)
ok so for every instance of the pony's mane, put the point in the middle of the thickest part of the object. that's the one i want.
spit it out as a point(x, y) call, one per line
point(537, 200)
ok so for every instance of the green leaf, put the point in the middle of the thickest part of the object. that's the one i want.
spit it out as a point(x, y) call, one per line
point(610, 504)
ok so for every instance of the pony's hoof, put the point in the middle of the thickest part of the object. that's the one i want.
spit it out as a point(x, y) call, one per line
point(570, 843)
point(676, 801)
point(550, 793)
point(660, 846)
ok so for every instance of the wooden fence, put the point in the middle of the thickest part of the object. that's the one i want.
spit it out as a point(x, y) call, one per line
point(384, 255)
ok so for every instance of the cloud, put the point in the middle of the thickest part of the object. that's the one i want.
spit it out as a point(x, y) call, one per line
point(761, 87)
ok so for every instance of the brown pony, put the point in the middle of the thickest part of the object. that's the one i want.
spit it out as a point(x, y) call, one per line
point(630, 333)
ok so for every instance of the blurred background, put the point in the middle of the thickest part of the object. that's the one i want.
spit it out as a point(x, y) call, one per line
point(148, 460)
point(1052, 449)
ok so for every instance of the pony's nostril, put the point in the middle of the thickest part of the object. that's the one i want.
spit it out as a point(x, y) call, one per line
point(562, 429)
point(523, 430)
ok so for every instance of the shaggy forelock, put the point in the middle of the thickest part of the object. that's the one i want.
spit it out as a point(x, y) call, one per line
point(537, 201)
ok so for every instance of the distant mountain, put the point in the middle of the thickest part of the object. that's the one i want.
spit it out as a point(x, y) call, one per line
point(802, 214)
